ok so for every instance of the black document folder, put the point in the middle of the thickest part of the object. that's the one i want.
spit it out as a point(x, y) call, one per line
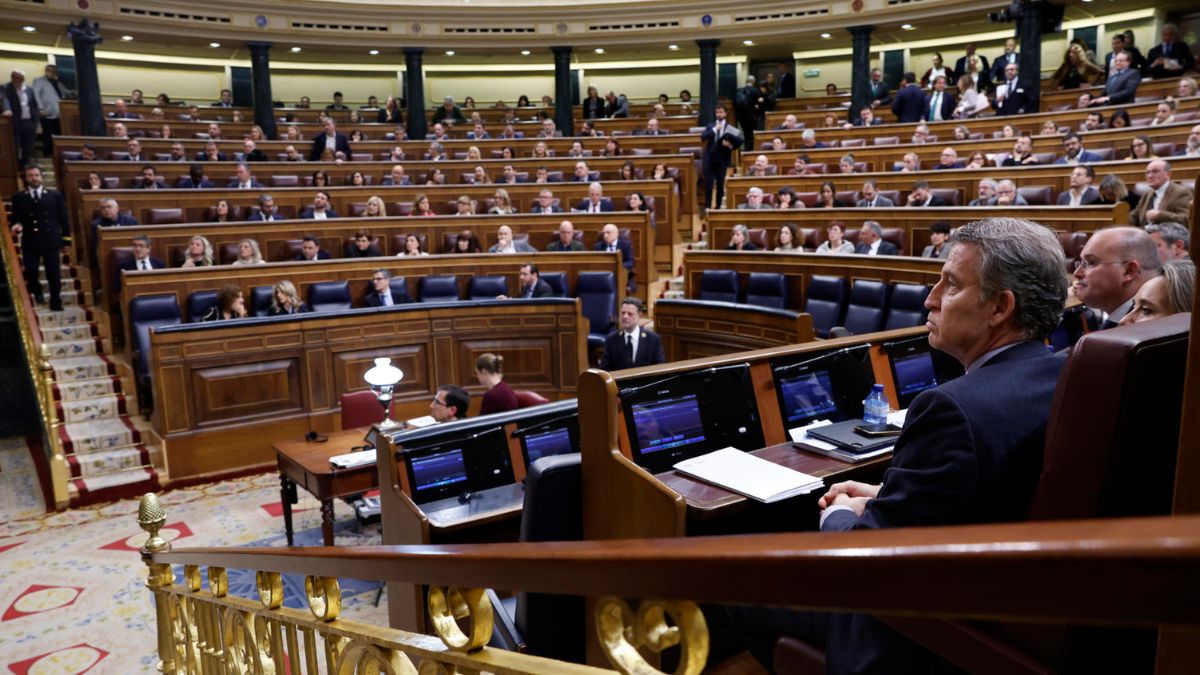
point(845, 437)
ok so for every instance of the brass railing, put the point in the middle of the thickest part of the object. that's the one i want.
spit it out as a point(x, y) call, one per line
point(37, 359)
point(1147, 567)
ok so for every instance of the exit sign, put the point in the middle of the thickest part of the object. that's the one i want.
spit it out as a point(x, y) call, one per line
point(812, 72)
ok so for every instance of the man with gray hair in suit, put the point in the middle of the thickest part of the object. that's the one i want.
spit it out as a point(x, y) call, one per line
point(754, 199)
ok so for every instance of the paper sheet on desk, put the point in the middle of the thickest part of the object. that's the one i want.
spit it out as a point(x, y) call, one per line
point(353, 459)
point(748, 475)
point(421, 422)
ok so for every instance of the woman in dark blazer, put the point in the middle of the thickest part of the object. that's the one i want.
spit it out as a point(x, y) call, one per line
point(827, 199)
point(593, 105)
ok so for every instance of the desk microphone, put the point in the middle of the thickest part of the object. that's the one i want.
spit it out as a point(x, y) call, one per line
point(465, 498)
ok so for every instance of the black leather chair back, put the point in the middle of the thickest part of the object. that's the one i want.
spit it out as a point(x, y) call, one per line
point(597, 292)
point(825, 302)
point(329, 296)
point(486, 286)
point(260, 300)
point(438, 288)
point(767, 289)
point(557, 281)
point(907, 308)
point(200, 303)
point(146, 312)
point(868, 303)
point(719, 285)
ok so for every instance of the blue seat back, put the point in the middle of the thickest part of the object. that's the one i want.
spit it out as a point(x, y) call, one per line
point(557, 281)
point(146, 312)
point(329, 296)
point(767, 289)
point(399, 286)
point(719, 285)
point(825, 302)
point(438, 288)
point(597, 292)
point(907, 308)
point(200, 303)
point(868, 304)
point(260, 300)
point(486, 286)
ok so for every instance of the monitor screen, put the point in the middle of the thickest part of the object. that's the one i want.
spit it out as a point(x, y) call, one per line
point(546, 443)
point(669, 423)
point(807, 397)
point(914, 374)
point(439, 470)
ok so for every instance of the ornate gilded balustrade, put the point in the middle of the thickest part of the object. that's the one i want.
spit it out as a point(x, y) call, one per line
point(206, 630)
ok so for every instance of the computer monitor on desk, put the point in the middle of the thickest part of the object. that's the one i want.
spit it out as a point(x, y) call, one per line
point(915, 367)
point(827, 386)
point(682, 415)
point(456, 466)
point(544, 437)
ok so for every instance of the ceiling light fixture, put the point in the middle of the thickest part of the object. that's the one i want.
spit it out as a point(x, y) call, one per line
point(127, 38)
point(214, 45)
point(449, 52)
point(907, 26)
point(599, 50)
point(295, 50)
point(525, 52)
point(29, 29)
point(374, 52)
point(748, 43)
point(825, 36)
point(673, 47)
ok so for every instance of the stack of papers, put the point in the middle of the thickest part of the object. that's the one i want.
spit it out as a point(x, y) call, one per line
point(421, 422)
point(351, 460)
point(748, 475)
point(805, 442)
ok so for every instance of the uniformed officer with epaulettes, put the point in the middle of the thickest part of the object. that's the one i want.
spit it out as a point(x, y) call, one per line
point(39, 216)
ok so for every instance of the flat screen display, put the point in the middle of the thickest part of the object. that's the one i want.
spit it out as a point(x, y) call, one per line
point(436, 471)
point(669, 423)
point(546, 443)
point(914, 374)
point(807, 397)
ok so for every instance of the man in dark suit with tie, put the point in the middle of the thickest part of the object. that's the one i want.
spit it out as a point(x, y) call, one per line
point(267, 211)
point(545, 203)
point(1001, 62)
point(20, 104)
point(332, 139)
point(1122, 85)
point(39, 216)
point(939, 104)
point(785, 83)
point(532, 285)
point(595, 202)
point(1112, 267)
point(909, 100)
point(610, 240)
point(1013, 99)
point(971, 448)
point(722, 139)
point(380, 294)
point(141, 260)
point(1171, 58)
point(226, 100)
point(631, 346)
point(879, 93)
point(871, 241)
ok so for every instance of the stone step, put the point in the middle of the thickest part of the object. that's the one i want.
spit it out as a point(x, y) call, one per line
point(98, 464)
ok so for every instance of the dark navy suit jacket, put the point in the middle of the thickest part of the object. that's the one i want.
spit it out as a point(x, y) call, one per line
point(649, 351)
point(624, 247)
point(908, 104)
point(970, 452)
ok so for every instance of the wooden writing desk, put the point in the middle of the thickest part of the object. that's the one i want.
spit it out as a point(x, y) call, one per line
point(706, 501)
point(306, 463)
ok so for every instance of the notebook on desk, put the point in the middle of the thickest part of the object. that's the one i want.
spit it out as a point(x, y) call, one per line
point(844, 436)
point(748, 475)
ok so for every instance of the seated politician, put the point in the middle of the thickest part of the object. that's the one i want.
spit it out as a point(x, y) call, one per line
point(631, 346)
point(449, 403)
point(971, 448)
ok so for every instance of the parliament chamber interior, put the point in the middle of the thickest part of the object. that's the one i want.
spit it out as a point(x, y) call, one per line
point(544, 337)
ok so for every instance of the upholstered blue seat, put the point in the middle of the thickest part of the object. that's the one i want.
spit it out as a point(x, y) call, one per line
point(399, 286)
point(767, 289)
point(557, 281)
point(329, 296)
point(868, 304)
point(907, 308)
point(146, 312)
point(486, 286)
point(825, 301)
point(438, 288)
point(200, 303)
point(719, 285)
point(260, 300)
point(597, 292)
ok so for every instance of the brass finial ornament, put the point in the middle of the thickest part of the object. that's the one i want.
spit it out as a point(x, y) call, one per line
point(151, 518)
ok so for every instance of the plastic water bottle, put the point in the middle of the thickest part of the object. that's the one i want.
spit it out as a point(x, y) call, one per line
point(875, 407)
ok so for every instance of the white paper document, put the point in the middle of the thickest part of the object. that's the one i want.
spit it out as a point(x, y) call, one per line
point(421, 422)
point(353, 459)
point(748, 475)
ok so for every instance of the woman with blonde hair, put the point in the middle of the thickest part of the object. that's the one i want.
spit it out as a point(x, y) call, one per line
point(1168, 293)
point(285, 300)
point(503, 205)
point(473, 154)
point(249, 253)
point(500, 397)
point(256, 134)
point(199, 253)
point(375, 207)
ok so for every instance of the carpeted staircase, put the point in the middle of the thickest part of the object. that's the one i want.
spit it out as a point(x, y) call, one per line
point(100, 440)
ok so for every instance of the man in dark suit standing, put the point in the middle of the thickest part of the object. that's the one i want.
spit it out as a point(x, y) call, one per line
point(939, 105)
point(332, 139)
point(20, 103)
point(631, 346)
point(1171, 58)
point(871, 241)
point(1001, 62)
point(960, 66)
point(909, 101)
point(1121, 87)
point(971, 448)
point(1013, 98)
point(39, 216)
point(722, 140)
point(879, 92)
point(785, 83)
